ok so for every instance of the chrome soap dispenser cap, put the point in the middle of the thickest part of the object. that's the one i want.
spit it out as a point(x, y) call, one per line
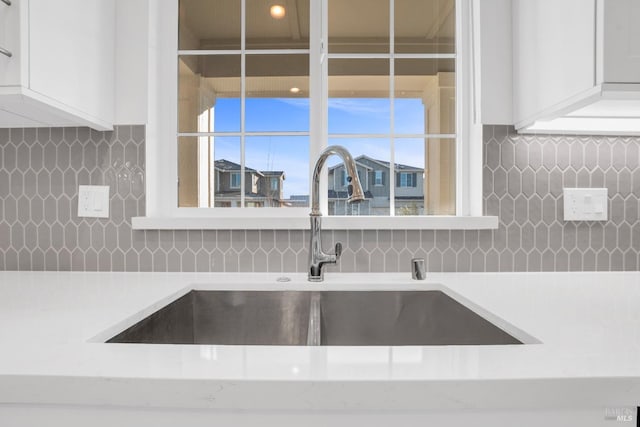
point(418, 270)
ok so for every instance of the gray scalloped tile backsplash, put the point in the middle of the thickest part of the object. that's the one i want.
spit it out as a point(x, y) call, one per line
point(40, 170)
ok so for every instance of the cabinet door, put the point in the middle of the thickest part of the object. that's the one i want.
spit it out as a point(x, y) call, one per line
point(554, 54)
point(621, 41)
point(71, 54)
point(12, 30)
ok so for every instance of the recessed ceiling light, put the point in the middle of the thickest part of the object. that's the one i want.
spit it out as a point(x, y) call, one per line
point(277, 11)
point(294, 90)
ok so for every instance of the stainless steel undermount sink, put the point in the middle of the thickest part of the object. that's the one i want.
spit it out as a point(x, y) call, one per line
point(357, 318)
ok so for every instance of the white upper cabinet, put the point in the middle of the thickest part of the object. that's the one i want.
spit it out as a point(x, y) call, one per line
point(13, 56)
point(576, 66)
point(619, 26)
point(494, 62)
point(61, 68)
point(554, 53)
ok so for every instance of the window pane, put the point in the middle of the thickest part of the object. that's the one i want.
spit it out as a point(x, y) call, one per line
point(277, 171)
point(212, 25)
point(359, 26)
point(440, 178)
point(378, 177)
point(409, 170)
point(425, 97)
point(277, 96)
point(371, 155)
point(277, 24)
point(188, 171)
point(424, 26)
point(359, 96)
point(209, 93)
point(206, 168)
point(226, 172)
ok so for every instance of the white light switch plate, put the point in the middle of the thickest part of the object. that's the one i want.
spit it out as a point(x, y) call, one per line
point(585, 204)
point(93, 201)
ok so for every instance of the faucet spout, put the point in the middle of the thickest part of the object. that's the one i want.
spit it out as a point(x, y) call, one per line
point(354, 188)
point(318, 258)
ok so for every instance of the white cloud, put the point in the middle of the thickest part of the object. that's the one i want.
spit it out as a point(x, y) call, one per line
point(359, 106)
point(302, 103)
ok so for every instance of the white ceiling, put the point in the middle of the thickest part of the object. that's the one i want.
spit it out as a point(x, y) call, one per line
point(216, 23)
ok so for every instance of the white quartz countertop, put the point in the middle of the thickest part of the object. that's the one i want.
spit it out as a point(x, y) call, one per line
point(582, 330)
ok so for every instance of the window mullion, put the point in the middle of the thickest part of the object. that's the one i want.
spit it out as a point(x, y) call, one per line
point(324, 74)
point(392, 144)
point(318, 93)
point(243, 97)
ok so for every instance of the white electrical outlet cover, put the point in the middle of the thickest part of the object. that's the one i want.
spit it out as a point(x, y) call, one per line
point(585, 204)
point(93, 201)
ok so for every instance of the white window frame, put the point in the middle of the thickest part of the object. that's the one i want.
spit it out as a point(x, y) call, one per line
point(162, 211)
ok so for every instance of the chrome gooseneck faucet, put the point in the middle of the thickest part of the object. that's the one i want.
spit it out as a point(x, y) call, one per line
point(317, 258)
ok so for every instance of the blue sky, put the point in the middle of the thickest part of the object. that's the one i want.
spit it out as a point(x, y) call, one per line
point(291, 153)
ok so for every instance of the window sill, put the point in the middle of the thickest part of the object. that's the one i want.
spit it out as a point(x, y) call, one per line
point(328, 223)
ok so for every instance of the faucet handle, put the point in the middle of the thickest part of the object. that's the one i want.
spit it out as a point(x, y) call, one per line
point(338, 250)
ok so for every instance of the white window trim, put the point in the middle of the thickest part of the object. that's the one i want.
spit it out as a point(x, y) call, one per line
point(161, 148)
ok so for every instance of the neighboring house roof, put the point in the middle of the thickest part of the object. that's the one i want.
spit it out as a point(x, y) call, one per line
point(398, 166)
point(227, 166)
point(339, 165)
